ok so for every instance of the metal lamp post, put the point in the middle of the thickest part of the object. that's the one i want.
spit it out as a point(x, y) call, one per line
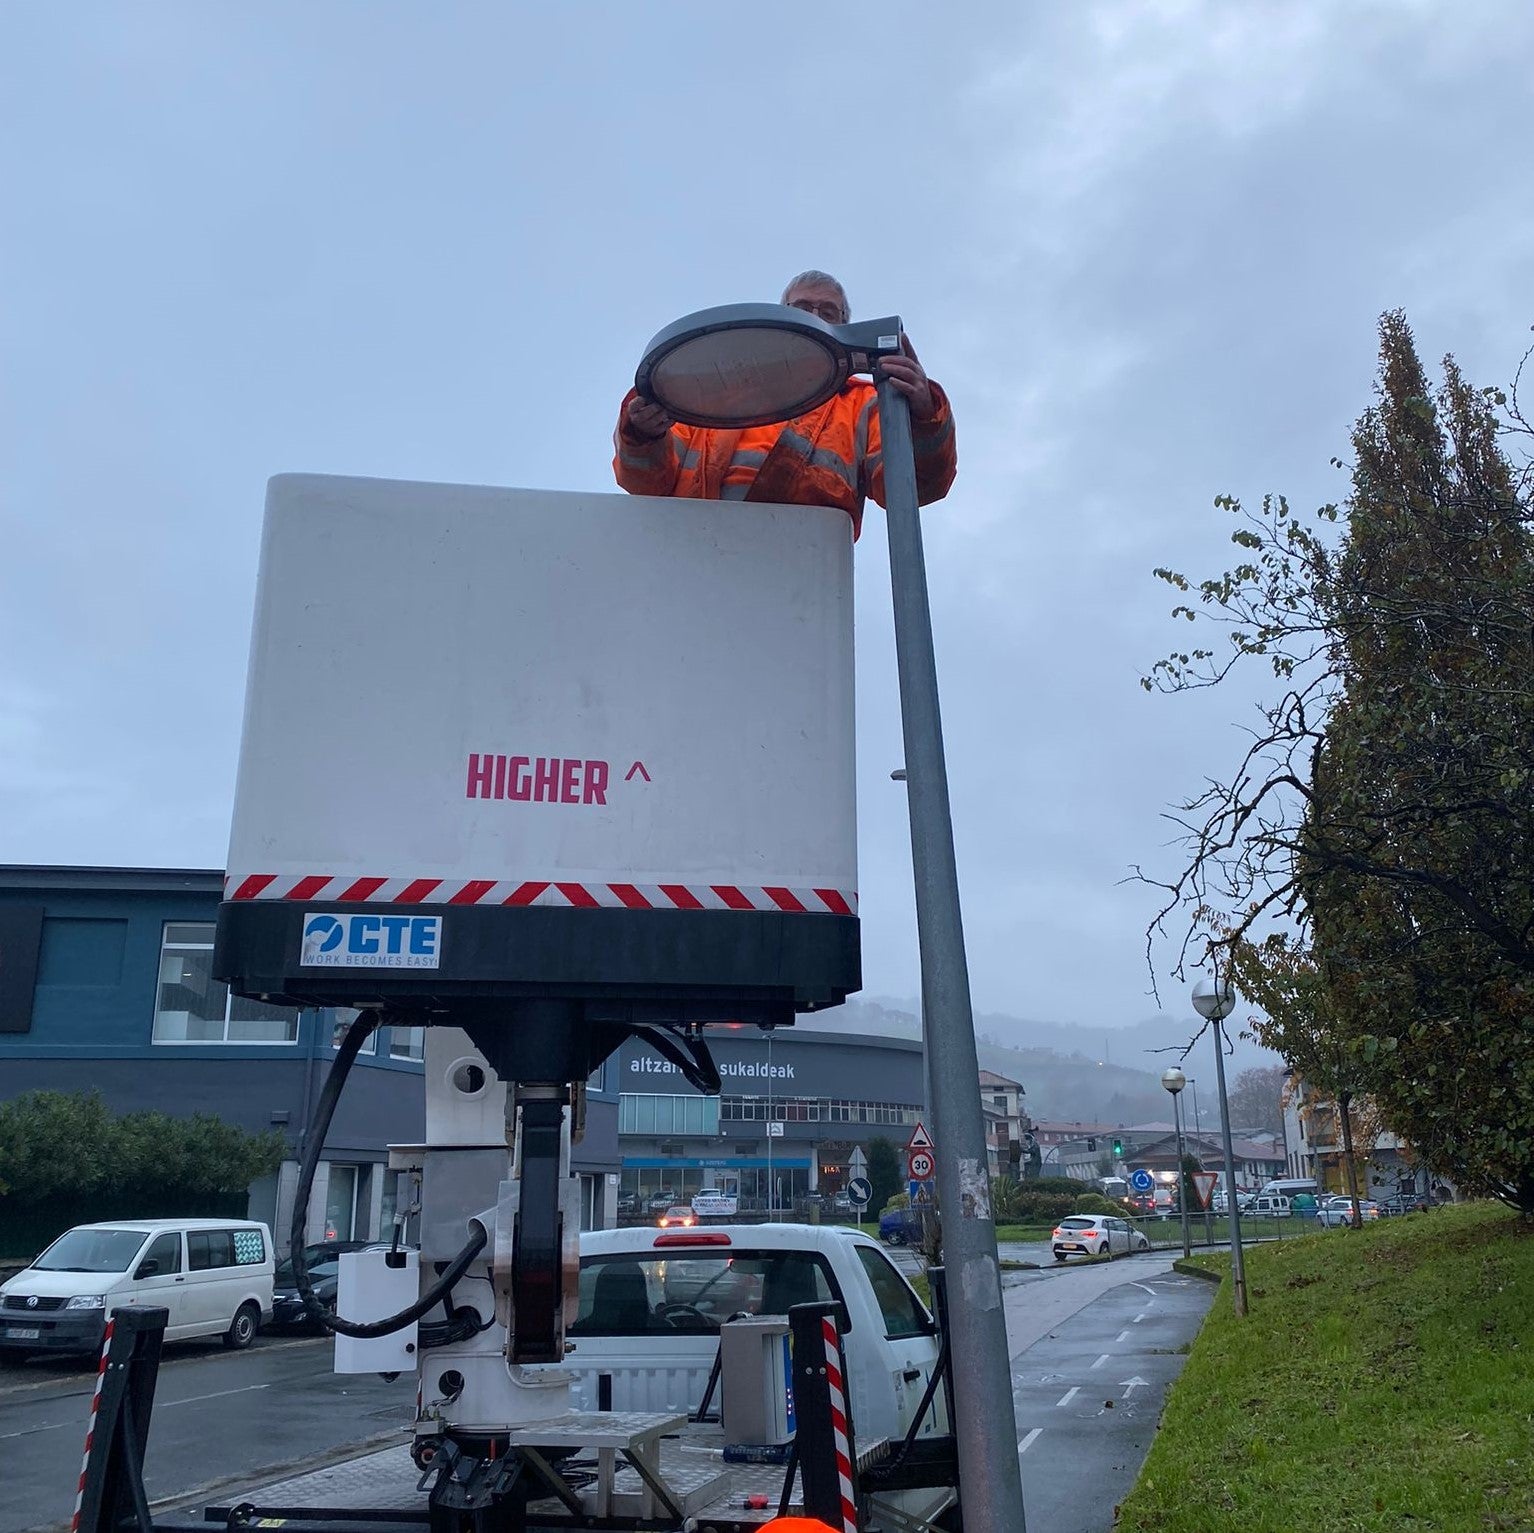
point(1214, 1000)
point(754, 364)
point(1174, 1080)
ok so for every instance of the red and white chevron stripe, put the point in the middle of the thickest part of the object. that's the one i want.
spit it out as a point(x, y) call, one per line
point(841, 1437)
point(90, 1431)
point(349, 889)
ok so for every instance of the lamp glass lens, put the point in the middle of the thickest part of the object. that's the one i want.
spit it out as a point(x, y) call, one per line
point(745, 375)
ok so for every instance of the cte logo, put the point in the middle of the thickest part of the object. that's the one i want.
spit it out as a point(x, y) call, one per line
point(367, 941)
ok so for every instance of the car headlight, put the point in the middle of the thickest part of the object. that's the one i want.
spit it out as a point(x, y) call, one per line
point(87, 1301)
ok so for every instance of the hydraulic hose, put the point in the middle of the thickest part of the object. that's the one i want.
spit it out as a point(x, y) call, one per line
point(324, 1111)
point(692, 1058)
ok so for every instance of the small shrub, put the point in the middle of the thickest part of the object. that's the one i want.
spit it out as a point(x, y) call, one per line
point(1095, 1203)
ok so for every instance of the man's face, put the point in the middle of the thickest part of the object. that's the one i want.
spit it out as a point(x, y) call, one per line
point(819, 299)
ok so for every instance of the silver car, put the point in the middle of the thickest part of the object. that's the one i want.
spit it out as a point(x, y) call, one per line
point(1095, 1235)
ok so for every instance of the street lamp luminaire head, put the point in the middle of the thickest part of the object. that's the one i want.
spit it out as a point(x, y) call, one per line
point(1213, 1000)
point(753, 364)
point(1174, 1080)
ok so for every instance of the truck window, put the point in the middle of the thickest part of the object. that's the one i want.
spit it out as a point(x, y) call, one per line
point(693, 1292)
point(902, 1310)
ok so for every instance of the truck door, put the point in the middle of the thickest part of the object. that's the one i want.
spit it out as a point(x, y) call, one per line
point(910, 1343)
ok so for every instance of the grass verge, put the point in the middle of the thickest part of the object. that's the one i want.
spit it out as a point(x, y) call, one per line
point(1382, 1380)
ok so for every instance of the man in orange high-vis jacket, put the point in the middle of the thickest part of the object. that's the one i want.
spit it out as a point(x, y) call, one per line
point(830, 457)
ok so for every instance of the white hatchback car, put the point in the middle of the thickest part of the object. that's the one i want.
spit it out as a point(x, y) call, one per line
point(1095, 1235)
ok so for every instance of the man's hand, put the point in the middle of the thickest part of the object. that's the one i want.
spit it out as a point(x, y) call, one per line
point(646, 421)
point(909, 377)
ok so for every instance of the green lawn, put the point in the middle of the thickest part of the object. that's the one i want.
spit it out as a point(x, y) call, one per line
point(1384, 1380)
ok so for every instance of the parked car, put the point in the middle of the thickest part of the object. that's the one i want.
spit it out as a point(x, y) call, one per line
point(628, 1203)
point(322, 1261)
point(1269, 1206)
point(213, 1275)
point(660, 1201)
point(678, 1217)
point(901, 1227)
point(1339, 1211)
point(1096, 1235)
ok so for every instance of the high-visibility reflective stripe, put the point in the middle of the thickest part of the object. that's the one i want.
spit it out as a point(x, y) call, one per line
point(747, 457)
point(631, 457)
point(687, 456)
point(736, 491)
point(823, 457)
point(926, 440)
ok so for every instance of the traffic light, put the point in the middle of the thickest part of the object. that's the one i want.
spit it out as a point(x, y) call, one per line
point(1091, 1144)
point(1118, 1149)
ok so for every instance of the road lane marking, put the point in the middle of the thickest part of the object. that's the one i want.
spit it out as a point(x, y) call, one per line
point(32, 1431)
point(1138, 1318)
point(1122, 1336)
point(1150, 1291)
point(217, 1394)
point(1066, 1398)
point(1027, 1442)
point(1103, 1359)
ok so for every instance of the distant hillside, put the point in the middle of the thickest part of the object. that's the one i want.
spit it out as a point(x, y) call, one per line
point(1071, 1073)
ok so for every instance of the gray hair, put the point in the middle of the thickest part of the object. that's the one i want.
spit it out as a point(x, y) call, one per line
point(820, 279)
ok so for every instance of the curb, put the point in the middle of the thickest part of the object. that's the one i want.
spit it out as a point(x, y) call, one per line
point(1183, 1265)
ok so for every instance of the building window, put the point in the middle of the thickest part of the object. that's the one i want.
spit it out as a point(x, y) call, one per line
point(644, 1113)
point(342, 1018)
point(193, 1007)
point(770, 1109)
point(407, 1043)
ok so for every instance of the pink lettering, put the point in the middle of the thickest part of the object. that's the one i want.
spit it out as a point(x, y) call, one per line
point(500, 777)
point(596, 783)
point(546, 780)
point(569, 785)
point(479, 777)
point(521, 784)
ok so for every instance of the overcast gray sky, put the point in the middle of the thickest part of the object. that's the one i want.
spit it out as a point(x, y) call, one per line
point(1143, 246)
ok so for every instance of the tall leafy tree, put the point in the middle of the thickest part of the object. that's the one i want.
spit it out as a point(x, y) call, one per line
point(1384, 812)
point(1257, 1098)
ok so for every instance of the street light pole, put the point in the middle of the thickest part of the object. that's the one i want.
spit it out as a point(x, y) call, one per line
point(1174, 1081)
point(986, 1425)
point(1214, 1001)
point(752, 364)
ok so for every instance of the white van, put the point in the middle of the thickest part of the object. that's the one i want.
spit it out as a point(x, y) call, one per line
point(1268, 1205)
point(213, 1275)
point(1289, 1187)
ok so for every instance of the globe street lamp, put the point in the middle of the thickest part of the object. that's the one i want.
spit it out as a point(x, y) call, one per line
point(1214, 1000)
point(1174, 1081)
point(753, 364)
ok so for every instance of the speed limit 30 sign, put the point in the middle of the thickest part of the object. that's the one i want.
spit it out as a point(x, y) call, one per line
point(921, 1165)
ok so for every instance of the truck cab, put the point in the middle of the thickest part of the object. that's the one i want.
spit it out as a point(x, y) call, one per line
point(651, 1302)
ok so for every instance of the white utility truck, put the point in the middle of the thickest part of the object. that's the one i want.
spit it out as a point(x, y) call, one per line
point(541, 773)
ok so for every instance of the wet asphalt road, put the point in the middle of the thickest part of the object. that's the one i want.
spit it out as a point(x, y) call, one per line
point(217, 1414)
point(1094, 1352)
point(1080, 1336)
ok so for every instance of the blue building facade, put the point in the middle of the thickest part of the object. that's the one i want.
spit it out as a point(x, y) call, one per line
point(106, 984)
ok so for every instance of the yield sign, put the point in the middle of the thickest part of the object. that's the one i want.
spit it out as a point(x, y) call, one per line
point(1204, 1185)
point(920, 1140)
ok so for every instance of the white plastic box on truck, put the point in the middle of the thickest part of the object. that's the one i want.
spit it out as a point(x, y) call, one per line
point(532, 743)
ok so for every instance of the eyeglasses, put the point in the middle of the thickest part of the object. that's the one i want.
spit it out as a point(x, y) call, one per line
point(830, 312)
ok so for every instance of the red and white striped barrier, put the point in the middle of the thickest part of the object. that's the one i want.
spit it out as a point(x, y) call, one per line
point(348, 889)
point(90, 1431)
point(840, 1436)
